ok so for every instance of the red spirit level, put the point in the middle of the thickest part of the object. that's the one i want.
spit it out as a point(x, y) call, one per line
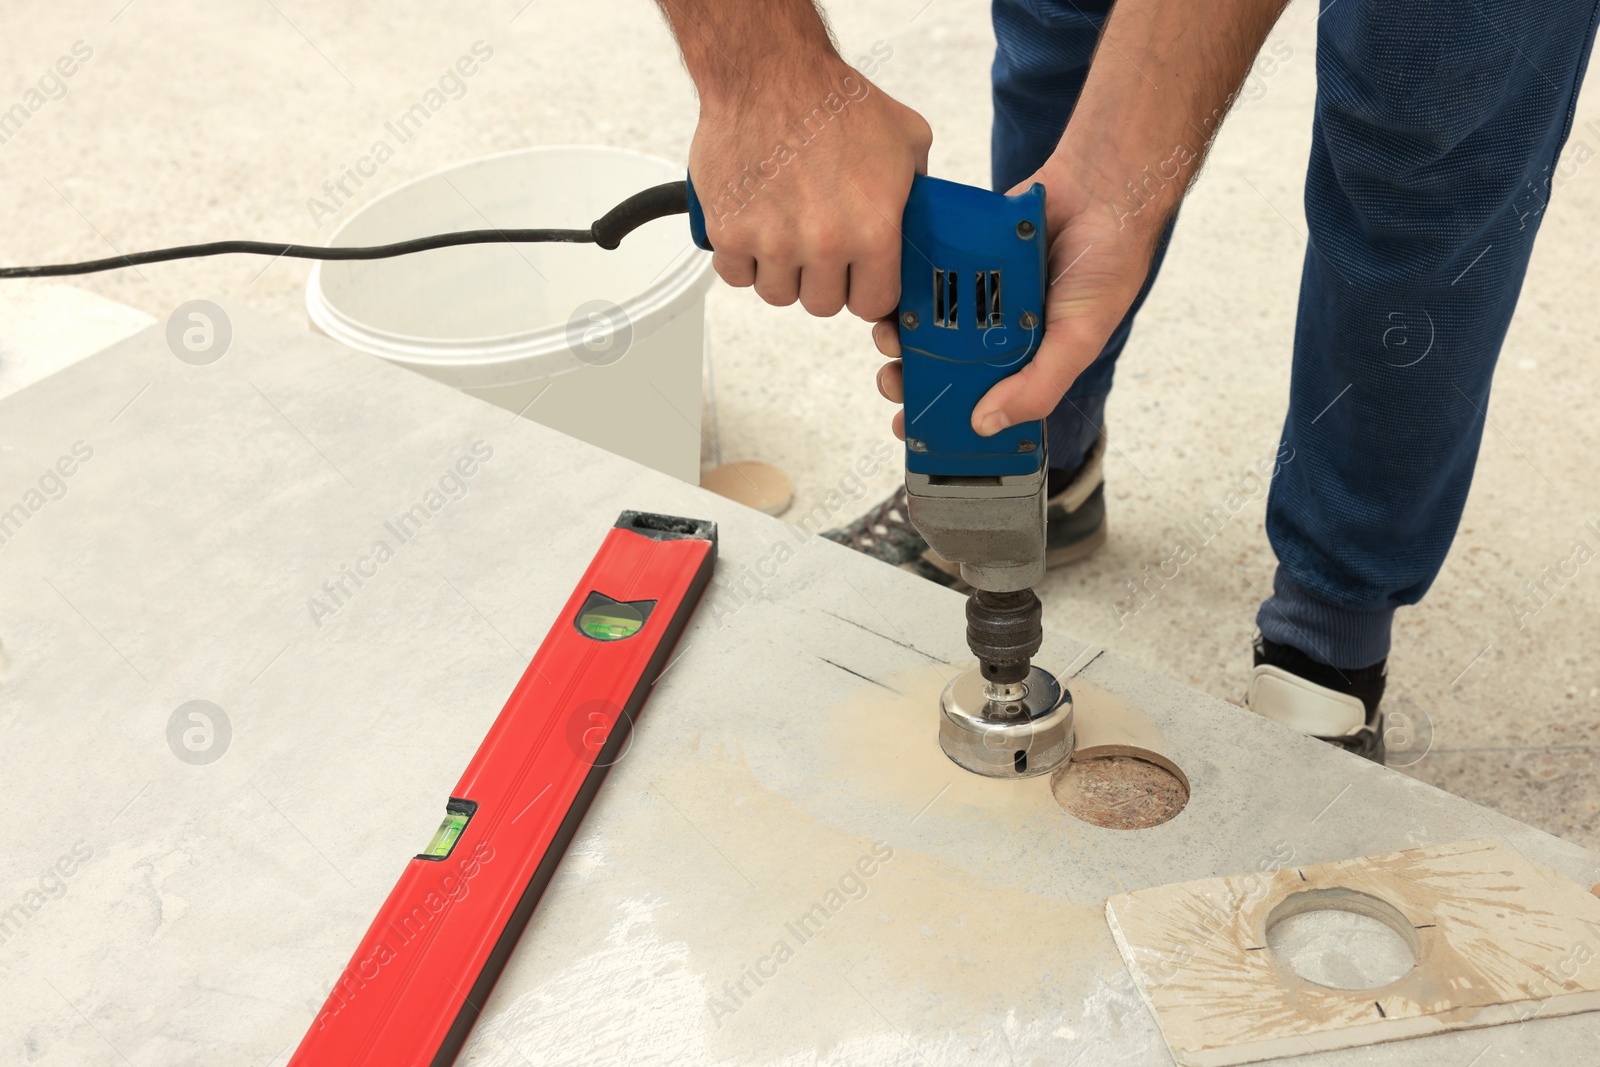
point(423, 972)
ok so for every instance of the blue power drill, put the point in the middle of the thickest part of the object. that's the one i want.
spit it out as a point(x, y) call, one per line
point(972, 301)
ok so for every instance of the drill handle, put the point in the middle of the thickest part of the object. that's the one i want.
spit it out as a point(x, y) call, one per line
point(971, 312)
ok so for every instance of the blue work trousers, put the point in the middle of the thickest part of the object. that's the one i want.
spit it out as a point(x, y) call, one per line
point(1434, 150)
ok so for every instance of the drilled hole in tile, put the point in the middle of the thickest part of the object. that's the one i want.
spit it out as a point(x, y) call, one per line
point(1121, 792)
point(1342, 939)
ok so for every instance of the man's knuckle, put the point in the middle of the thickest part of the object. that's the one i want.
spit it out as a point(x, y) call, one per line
point(827, 244)
point(877, 239)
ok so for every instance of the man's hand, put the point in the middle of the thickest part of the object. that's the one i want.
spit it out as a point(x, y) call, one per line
point(801, 164)
point(1098, 261)
point(1162, 79)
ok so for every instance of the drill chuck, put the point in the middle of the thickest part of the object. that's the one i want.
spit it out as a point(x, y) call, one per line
point(1004, 631)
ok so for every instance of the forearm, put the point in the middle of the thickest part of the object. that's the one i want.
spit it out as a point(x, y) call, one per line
point(802, 164)
point(1163, 77)
point(739, 51)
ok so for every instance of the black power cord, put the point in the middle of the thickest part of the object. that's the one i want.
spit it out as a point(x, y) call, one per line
point(606, 231)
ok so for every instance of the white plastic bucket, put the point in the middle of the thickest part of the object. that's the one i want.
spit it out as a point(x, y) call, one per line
point(605, 346)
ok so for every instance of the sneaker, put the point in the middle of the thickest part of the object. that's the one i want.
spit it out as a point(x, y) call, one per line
point(1075, 517)
point(1339, 707)
point(1075, 526)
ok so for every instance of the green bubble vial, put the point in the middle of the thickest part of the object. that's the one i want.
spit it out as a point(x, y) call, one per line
point(444, 838)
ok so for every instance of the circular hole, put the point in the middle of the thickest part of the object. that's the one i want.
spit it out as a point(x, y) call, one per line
point(1120, 792)
point(1342, 939)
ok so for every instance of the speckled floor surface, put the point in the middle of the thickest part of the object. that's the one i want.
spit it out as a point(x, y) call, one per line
point(194, 122)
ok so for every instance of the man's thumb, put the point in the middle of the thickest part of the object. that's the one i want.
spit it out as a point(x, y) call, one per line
point(1035, 390)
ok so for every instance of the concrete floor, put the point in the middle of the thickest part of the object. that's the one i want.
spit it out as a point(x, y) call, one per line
point(197, 122)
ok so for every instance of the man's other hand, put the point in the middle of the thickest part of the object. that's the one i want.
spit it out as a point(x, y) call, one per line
point(1099, 255)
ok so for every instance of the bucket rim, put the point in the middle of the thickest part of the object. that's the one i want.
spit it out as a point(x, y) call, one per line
point(688, 274)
